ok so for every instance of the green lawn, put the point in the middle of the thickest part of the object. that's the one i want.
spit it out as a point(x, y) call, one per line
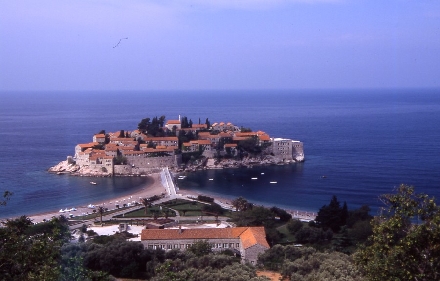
point(288, 237)
point(151, 210)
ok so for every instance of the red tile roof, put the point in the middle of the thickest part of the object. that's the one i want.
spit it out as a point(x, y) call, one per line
point(201, 126)
point(246, 134)
point(231, 145)
point(204, 142)
point(161, 139)
point(249, 236)
point(264, 137)
point(88, 145)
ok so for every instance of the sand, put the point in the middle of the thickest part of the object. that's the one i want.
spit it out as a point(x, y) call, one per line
point(154, 188)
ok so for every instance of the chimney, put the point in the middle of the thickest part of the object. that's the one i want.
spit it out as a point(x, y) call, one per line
point(180, 229)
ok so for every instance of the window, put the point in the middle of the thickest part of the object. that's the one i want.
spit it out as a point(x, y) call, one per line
point(225, 245)
point(237, 245)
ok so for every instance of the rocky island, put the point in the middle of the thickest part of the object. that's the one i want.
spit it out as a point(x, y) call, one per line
point(180, 145)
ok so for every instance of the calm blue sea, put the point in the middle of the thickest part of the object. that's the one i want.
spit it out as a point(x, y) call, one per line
point(366, 142)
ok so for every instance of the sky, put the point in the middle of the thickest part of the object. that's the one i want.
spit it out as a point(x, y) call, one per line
point(52, 45)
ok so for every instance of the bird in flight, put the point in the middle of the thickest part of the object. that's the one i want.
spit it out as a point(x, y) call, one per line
point(120, 40)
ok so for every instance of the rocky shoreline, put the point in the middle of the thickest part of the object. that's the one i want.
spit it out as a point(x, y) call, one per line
point(70, 168)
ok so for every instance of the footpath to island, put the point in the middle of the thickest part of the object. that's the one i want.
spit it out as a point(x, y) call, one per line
point(162, 183)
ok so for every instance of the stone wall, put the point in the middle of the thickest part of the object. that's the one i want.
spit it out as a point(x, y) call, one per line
point(145, 165)
point(298, 151)
point(152, 162)
point(251, 253)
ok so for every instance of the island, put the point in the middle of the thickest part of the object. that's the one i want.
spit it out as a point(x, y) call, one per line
point(179, 145)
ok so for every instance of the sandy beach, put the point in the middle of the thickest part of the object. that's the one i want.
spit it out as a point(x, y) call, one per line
point(154, 188)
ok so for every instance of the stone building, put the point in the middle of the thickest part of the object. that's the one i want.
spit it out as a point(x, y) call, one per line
point(248, 241)
point(287, 149)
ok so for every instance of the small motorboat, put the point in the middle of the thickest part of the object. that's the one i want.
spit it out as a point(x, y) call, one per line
point(92, 182)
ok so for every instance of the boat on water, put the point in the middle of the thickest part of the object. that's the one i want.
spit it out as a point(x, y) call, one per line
point(211, 179)
point(273, 182)
point(92, 182)
point(254, 178)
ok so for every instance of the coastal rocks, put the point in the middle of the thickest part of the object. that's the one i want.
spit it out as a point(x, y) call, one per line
point(88, 172)
point(69, 167)
point(66, 167)
point(247, 162)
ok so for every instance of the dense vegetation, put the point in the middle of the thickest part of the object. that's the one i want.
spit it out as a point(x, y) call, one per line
point(400, 244)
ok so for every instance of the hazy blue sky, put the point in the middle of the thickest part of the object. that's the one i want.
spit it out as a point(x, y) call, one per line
point(222, 44)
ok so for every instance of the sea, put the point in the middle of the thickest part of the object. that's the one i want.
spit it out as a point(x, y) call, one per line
point(358, 144)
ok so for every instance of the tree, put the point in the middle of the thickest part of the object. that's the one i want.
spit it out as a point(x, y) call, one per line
point(120, 160)
point(240, 204)
point(200, 248)
point(361, 214)
point(143, 125)
point(282, 214)
point(6, 196)
point(294, 225)
point(208, 124)
point(29, 252)
point(101, 211)
point(146, 203)
point(405, 244)
point(332, 216)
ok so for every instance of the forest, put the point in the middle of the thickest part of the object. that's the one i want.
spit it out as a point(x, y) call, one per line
point(402, 243)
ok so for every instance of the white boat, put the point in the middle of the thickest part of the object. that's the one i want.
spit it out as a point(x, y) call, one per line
point(61, 211)
point(211, 179)
point(254, 178)
point(262, 173)
point(273, 182)
point(92, 182)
